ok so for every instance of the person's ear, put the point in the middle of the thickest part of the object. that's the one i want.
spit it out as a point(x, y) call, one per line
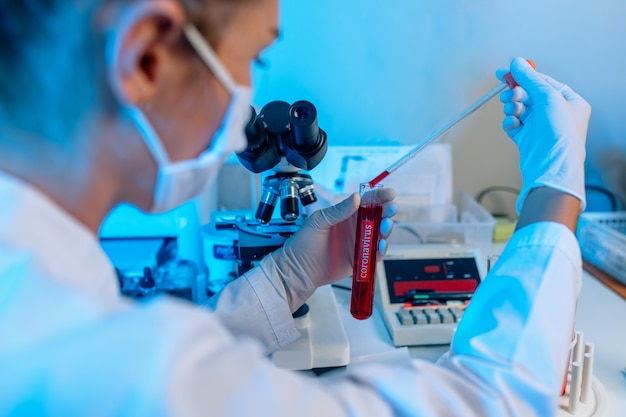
point(137, 47)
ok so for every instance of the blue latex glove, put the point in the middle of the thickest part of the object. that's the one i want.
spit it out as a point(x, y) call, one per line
point(322, 251)
point(548, 122)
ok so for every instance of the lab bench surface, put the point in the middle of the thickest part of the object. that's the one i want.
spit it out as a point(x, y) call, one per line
point(612, 283)
point(600, 314)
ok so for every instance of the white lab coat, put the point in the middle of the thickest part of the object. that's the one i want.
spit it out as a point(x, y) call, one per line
point(70, 346)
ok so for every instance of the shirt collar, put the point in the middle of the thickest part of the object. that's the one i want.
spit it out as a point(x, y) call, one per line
point(62, 248)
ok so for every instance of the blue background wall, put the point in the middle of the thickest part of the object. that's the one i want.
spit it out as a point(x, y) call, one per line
point(390, 72)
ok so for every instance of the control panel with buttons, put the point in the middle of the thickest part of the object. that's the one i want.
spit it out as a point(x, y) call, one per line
point(424, 290)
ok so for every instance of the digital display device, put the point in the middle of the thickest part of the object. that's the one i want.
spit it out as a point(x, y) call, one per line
point(407, 278)
point(418, 273)
point(423, 290)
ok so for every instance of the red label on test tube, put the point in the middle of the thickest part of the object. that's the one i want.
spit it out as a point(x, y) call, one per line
point(365, 251)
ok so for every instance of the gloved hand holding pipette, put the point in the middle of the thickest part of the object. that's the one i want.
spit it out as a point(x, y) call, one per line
point(542, 107)
point(508, 83)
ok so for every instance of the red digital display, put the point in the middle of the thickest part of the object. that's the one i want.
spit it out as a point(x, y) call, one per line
point(441, 275)
point(431, 269)
point(449, 285)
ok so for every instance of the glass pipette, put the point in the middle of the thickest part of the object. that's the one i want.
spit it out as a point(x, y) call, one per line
point(509, 82)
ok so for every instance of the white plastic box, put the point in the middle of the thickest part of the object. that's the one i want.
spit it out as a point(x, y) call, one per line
point(602, 239)
point(464, 222)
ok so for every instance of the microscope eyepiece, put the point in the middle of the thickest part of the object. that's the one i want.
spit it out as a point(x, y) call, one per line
point(287, 139)
point(275, 116)
point(303, 112)
point(255, 133)
point(306, 136)
point(260, 153)
point(307, 141)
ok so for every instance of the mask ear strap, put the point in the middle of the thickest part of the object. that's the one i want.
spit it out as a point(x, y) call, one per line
point(206, 53)
point(147, 132)
point(150, 136)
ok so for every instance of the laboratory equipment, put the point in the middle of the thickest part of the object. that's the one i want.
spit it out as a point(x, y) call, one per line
point(509, 83)
point(286, 139)
point(602, 238)
point(254, 240)
point(156, 254)
point(323, 343)
point(463, 222)
point(365, 251)
point(148, 266)
point(424, 289)
point(220, 254)
point(584, 395)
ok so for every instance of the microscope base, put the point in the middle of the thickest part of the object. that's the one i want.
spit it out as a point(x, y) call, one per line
point(324, 343)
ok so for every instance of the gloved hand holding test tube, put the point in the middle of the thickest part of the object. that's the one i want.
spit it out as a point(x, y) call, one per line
point(370, 211)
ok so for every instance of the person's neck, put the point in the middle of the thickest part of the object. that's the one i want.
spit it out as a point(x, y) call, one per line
point(81, 189)
point(102, 165)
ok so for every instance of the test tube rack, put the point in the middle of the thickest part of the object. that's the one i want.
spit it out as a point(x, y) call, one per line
point(584, 395)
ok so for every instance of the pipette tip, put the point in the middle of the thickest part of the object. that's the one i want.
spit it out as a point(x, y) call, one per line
point(379, 178)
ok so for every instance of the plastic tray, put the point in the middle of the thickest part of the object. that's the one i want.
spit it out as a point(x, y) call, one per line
point(465, 222)
point(602, 238)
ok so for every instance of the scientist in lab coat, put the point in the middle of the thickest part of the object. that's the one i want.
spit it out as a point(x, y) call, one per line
point(109, 101)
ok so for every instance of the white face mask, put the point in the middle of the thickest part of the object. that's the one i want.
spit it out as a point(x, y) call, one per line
point(179, 182)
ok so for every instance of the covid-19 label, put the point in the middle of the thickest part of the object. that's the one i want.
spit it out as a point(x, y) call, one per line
point(365, 258)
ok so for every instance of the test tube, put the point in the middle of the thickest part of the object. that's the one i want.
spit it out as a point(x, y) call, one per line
point(572, 345)
point(575, 387)
point(365, 251)
point(586, 393)
point(577, 356)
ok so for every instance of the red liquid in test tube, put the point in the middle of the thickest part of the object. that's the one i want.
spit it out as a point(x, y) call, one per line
point(365, 251)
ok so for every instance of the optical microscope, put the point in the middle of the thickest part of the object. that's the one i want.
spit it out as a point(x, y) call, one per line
point(286, 139)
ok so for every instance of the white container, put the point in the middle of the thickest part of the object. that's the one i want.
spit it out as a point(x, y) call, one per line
point(220, 256)
point(465, 222)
